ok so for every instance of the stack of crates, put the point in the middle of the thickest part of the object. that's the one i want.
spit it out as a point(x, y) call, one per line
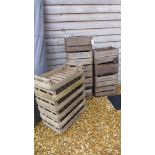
point(106, 71)
point(60, 97)
point(79, 52)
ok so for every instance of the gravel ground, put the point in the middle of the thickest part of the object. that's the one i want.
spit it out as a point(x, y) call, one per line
point(96, 132)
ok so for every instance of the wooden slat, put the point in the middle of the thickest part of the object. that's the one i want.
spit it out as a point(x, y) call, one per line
point(82, 17)
point(66, 2)
point(80, 62)
point(78, 41)
point(61, 48)
point(103, 45)
point(96, 39)
point(78, 48)
point(107, 59)
point(63, 9)
point(106, 83)
point(86, 32)
point(56, 55)
point(56, 61)
point(106, 93)
point(60, 131)
point(53, 67)
point(98, 53)
point(81, 25)
point(88, 74)
point(79, 55)
point(87, 68)
point(107, 88)
point(106, 78)
point(88, 80)
point(104, 69)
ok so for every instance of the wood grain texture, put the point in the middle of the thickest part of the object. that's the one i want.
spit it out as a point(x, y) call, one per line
point(82, 17)
point(79, 55)
point(107, 88)
point(106, 78)
point(104, 69)
point(103, 52)
point(64, 9)
point(57, 55)
point(106, 83)
point(79, 48)
point(66, 2)
point(86, 32)
point(81, 25)
point(113, 59)
point(96, 39)
point(78, 41)
point(80, 62)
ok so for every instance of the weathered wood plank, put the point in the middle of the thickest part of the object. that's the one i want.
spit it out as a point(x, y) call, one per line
point(79, 55)
point(80, 62)
point(107, 88)
point(106, 93)
point(58, 55)
point(82, 17)
point(88, 80)
point(88, 74)
point(56, 61)
point(61, 48)
point(103, 52)
point(106, 83)
point(54, 49)
point(78, 48)
point(87, 68)
point(53, 67)
point(101, 60)
point(61, 2)
point(106, 78)
point(64, 9)
point(86, 32)
point(78, 41)
point(104, 69)
point(103, 45)
point(81, 25)
point(96, 39)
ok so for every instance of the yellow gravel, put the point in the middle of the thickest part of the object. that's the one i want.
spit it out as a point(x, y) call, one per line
point(96, 132)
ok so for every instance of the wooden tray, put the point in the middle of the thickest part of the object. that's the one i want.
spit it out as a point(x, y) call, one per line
point(57, 78)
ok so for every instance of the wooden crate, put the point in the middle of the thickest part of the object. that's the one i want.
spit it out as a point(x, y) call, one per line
point(76, 44)
point(66, 122)
point(105, 71)
point(66, 125)
point(57, 78)
point(79, 52)
point(62, 98)
point(106, 85)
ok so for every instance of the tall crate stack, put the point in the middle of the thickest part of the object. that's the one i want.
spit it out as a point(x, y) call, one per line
point(106, 71)
point(79, 52)
point(60, 97)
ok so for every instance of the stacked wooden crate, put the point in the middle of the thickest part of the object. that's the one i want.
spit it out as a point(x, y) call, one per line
point(60, 97)
point(79, 52)
point(106, 71)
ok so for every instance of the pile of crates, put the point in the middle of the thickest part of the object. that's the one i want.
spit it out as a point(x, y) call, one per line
point(106, 71)
point(60, 97)
point(79, 52)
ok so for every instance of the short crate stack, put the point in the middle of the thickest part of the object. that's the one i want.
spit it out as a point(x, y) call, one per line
point(79, 52)
point(106, 71)
point(60, 97)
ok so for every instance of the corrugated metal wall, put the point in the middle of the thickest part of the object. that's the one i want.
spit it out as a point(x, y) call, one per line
point(64, 18)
